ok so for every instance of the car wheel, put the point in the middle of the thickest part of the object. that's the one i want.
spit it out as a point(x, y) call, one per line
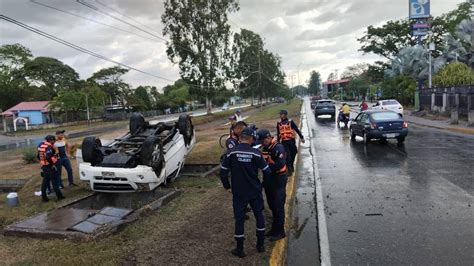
point(186, 128)
point(137, 122)
point(353, 135)
point(151, 153)
point(366, 138)
point(401, 139)
point(91, 150)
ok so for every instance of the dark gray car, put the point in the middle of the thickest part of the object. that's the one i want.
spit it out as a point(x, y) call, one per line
point(325, 107)
point(380, 125)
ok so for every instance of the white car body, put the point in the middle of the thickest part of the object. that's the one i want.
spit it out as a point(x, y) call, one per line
point(392, 105)
point(140, 178)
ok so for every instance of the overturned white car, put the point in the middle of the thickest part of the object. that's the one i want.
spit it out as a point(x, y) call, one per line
point(146, 157)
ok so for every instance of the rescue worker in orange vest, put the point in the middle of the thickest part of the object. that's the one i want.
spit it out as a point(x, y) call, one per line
point(275, 185)
point(48, 161)
point(286, 129)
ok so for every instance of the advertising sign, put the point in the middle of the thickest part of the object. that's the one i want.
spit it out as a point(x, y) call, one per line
point(419, 8)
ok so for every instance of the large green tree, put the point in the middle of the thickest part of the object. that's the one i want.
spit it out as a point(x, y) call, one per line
point(314, 86)
point(13, 84)
point(51, 75)
point(199, 42)
point(110, 80)
point(388, 39)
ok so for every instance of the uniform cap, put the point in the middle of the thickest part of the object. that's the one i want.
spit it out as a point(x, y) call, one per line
point(50, 138)
point(263, 134)
point(283, 112)
point(238, 111)
point(247, 132)
point(60, 131)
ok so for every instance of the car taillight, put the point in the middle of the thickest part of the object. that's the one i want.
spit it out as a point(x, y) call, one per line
point(405, 125)
point(373, 126)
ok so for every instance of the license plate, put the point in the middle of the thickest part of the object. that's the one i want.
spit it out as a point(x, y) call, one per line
point(325, 108)
point(393, 135)
point(108, 174)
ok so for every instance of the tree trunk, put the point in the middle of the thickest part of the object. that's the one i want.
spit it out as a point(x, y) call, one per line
point(208, 105)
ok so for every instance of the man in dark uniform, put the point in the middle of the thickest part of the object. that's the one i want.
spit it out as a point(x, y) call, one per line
point(243, 163)
point(286, 136)
point(233, 139)
point(48, 161)
point(275, 186)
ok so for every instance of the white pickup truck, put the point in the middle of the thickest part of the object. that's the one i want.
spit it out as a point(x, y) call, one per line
point(146, 157)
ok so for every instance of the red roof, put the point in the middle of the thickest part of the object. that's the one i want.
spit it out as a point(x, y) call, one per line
point(337, 81)
point(28, 106)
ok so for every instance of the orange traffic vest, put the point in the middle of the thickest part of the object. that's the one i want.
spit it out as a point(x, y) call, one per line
point(42, 154)
point(286, 132)
point(268, 157)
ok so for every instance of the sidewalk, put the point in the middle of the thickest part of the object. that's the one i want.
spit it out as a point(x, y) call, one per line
point(439, 124)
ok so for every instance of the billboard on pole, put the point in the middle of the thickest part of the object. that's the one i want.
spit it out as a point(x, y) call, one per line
point(419, 8)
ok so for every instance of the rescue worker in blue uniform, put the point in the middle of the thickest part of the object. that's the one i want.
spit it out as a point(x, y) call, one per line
point(49, 166)
point(233, 139)
point(243, 163)
point(275, 186)
point(286, 129)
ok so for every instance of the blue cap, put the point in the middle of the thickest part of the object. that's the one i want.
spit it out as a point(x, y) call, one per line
point(263, 134)
point(284, 112)
point(248, 132)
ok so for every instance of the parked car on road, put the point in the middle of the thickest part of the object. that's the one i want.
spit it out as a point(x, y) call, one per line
point(146, 157)
point(392, 105)
point(379, 124)
point(325, 107)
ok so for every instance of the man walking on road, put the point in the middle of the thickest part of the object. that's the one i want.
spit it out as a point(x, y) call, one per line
point(48, 161)
point(63, 150)
point(243, 163)
point(286, 136)
point(275, 186)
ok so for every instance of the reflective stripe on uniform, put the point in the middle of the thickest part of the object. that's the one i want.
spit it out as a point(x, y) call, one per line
point(225, 168)
point(261, 229)
point(239, 236)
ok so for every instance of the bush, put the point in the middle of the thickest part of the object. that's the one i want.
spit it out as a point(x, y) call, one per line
point(454, 74)
point(30, 155)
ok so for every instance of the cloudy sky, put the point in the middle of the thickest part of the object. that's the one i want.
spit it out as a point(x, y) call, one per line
point(308, 34)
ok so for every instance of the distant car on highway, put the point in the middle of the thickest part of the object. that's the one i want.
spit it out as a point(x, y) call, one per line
point(225, 107)
point(325, 107)
point(379, 124)
point(392, 105)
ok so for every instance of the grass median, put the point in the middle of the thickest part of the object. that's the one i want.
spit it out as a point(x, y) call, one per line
point(197, 226)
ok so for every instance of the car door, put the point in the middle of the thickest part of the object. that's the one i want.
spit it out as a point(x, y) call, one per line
point(355, 125)
point(364, 122)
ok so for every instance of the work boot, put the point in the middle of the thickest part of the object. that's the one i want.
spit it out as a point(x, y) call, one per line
point(277, 237)
point(239, 250)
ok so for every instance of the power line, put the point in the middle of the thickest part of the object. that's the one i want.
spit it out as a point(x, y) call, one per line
point(76, 47)
point(92, 20)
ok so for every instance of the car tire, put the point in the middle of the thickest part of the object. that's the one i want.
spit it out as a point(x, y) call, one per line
point(186, 128)
point(366, 138)
point(151, 153)
point(400, 139)
point(90, 149)
point(137, 122)
point(353, 135)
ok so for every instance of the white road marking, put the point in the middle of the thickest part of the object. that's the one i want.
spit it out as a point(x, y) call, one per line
point(322, 226)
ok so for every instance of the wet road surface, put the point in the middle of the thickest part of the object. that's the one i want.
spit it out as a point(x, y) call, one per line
point(389, 204)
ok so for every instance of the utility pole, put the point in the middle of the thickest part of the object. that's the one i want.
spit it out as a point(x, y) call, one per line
point(87, 107)
point(259, 79)
point(430, 48)
point(292, 77)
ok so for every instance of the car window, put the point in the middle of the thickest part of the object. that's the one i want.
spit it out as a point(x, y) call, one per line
point(364, 118)
point(358, 117)
point(390, 102)
point(385, 116)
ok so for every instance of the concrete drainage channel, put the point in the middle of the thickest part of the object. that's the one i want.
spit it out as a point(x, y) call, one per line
point(100, 214)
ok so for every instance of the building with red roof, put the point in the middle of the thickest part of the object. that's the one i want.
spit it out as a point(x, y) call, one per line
point(330, 86)
point(36, 113)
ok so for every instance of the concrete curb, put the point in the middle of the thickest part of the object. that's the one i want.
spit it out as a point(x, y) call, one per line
point(468, 131)
point(278, 255)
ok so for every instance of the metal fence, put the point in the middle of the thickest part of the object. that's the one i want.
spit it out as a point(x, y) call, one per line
point(447, 99)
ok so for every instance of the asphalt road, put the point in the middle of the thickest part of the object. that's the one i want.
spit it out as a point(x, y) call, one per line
point(383, 203)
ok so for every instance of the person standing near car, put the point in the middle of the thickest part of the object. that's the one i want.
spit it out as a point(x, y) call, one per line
point(363, 106)
point(48, 160)
point(286, 129)
point(243, 163)
point(63, 150)
point(275, 186)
